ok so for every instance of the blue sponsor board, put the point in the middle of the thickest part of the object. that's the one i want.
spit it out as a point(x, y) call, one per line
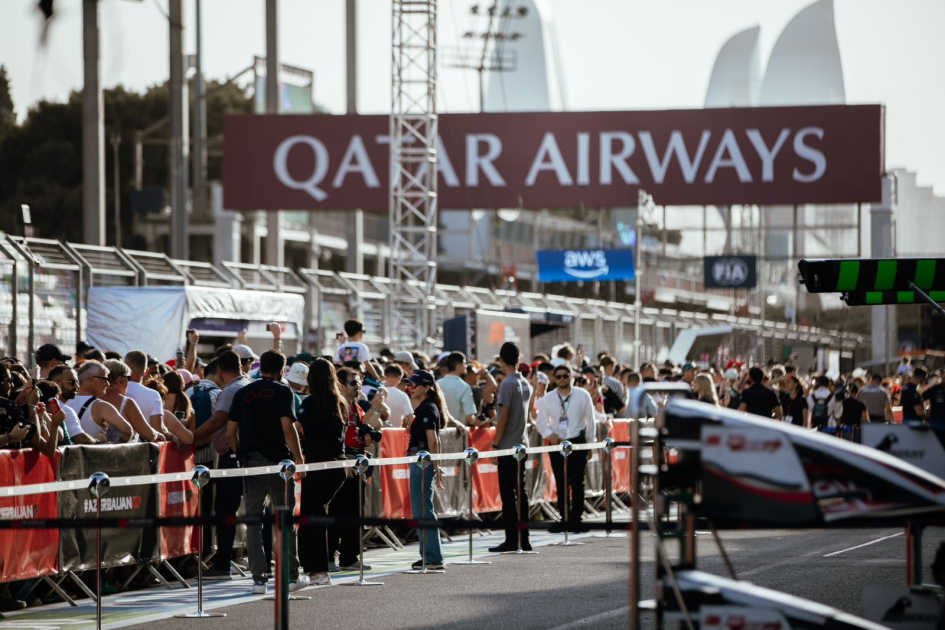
point(585, 265)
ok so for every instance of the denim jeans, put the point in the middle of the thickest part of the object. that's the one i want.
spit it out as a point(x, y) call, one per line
point(257, 489)
point(421, 505)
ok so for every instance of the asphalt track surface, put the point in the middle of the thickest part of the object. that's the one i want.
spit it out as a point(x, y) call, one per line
point(560, 588)
point(586, 586)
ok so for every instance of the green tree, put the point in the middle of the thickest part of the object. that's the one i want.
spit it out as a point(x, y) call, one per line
point(7, 113)
point(41, 159)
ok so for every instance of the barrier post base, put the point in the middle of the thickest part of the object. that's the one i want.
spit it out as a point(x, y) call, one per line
point(363, 582)
point(199, 615)
point(610, 535)
point(292, 598)
point(471, 562)
point(424, 571)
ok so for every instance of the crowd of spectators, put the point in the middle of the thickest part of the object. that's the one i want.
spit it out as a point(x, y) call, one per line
point(239, 409)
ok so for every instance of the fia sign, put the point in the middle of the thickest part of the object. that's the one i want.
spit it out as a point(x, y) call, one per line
point(730, 272)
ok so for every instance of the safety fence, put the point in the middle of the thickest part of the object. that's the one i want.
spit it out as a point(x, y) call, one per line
point(152, 483)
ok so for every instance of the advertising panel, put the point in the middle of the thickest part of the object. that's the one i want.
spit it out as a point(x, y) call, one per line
point(594, 265)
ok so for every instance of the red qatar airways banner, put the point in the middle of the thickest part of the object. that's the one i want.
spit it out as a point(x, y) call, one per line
point(757, 155)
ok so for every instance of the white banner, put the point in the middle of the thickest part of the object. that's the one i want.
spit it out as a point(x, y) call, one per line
point(919, 446)
point(900, 607)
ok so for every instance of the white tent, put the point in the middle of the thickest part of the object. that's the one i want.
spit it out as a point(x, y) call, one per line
point(155, 319)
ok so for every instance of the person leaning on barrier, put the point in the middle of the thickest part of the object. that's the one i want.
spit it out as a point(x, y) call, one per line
point(118, 375)
point(68, 382)
point(148, 400)
point(514, 396)
point(425, 436)
point(175, 428)
point(95, 415)
point(567, 413)
point(322, 420)
point(261, 429)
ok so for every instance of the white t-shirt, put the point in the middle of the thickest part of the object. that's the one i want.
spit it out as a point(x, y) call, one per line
point(148, 400)
point(353, 351)
point(566, 416)
point(86, 422)
point(72, 420)
point(400, 406)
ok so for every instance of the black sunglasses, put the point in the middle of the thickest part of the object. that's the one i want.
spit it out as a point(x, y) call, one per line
point(355, 382)
point(560, 376)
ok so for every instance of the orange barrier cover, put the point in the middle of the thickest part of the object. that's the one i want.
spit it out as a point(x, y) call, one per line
point(28, 553)
point(897, 414)
point(620, 459)
point(178, 498)
point(395, 480)
point(485, 475)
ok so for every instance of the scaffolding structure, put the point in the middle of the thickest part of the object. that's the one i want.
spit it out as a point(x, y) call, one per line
point(413, 157)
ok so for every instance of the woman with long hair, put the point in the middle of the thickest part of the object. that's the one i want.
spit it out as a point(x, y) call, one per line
point(322, 420)
point(173, 428)
point(425, 436)
point(175, 400)
point(704, 389)
point(796, 410)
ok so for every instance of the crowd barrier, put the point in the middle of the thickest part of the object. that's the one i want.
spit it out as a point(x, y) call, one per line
point(157, 485)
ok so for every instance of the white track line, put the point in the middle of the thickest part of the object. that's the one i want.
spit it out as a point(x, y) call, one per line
point(867, 544)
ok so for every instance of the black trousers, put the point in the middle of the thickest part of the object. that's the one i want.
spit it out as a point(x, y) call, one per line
point(577, 462)
point(345, 503)
point(228, 494)
point(510, 480)
point(318, 491)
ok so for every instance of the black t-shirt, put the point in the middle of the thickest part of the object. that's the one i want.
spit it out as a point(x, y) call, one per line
point(760, 400)
point(909, 399)
point(785, 399)
point(852, 413)
point(324, 432)
point(10, 417)
point(426, 417)
point(259, 408)
point(795, 408)
point(936, 397)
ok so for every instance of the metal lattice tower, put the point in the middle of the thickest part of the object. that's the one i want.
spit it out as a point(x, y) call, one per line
point(413, 198)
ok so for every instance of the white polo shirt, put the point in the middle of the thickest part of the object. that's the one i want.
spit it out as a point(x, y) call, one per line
point(566, 416)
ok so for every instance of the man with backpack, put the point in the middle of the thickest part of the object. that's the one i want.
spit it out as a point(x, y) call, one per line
point(820, 403)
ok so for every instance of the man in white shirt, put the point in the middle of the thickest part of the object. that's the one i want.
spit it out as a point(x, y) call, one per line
point(147, 399)
point(567, 413)
point(354, 350)
point(401, 409)
point(68, 382)
point(457, 394)
point(822, 404)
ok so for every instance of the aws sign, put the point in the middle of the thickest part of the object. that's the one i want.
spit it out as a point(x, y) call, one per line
point(590, 265)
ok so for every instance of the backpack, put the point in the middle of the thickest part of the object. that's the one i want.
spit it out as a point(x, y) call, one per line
point(818, 415)
point(202, 403)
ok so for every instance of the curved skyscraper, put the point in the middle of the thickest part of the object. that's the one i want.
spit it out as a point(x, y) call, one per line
point(736, 75)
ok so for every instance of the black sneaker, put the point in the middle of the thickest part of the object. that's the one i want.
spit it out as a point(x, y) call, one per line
point(578, 528)
point(557, 528)
point(355, 567)
point(504, 547)
point(216, 574)
point(333, 568)
point(431, 566)
point(526, 546)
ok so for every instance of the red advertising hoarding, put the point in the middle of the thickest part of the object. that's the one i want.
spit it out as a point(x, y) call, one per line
point(758, 155)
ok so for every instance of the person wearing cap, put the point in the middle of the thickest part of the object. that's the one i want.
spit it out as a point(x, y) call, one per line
point(406, 361)
point(47, 357)
point(247, 357)
point(297, 378)
point(514, 394)
point(689, 373)
point(425, 436)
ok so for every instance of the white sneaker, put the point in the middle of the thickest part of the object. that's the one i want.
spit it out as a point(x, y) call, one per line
point(320, 579)
point(298, 584)
point(259, 588)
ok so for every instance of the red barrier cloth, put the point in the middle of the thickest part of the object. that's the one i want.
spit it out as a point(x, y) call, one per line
point(28, 553)
point(178, 498)
point(395, 480)
point(620, 470)
point(486, 473)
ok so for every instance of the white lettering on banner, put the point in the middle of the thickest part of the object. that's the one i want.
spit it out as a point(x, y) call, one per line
point(676, 145)
point(444, 166)
point(113, 504)
point(356, 160)
point(810, 154)
point(767, 156)
point(18, 512)
point(610, 161)
point(584, 150)
point(735, 159)
point(475, 162)
point(183, 496)
point(549, 158)
point(531, 463)
point(620, 454)
point(486, 469)
point(400, 473)
point(586, 265)
point(280, 163)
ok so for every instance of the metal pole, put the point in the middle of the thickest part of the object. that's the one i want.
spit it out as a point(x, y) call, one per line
point(472, 456)
point(180, 239)
point(797, 283)
point(608, 451)
point(93, 130)
point(634, 525)
point(565, 454)
point(275, 253)
point(354, 258)
point(116, 141)
point(200, 198)
point(31, 347)
point(520, 455)
point(200, 479)
point(638, 279)
point(361, 467)
point(15, 288)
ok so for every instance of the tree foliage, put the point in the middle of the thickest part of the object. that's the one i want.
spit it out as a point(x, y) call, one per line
point(41, 159)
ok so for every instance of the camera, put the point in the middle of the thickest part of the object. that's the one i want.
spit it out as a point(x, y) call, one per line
point(365, 429)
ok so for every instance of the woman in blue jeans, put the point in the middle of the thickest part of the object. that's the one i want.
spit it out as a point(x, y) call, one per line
point(425, 436)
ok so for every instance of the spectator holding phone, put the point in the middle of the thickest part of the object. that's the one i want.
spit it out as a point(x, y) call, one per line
point(354, 350)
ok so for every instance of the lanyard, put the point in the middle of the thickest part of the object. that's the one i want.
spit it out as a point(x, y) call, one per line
point(565, 405)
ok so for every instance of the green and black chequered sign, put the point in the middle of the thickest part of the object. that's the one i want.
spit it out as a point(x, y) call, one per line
point(872, 276)
point(873, 298)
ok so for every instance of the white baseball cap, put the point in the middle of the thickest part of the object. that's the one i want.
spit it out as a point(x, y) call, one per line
point(245, 352)
point(407, 358)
